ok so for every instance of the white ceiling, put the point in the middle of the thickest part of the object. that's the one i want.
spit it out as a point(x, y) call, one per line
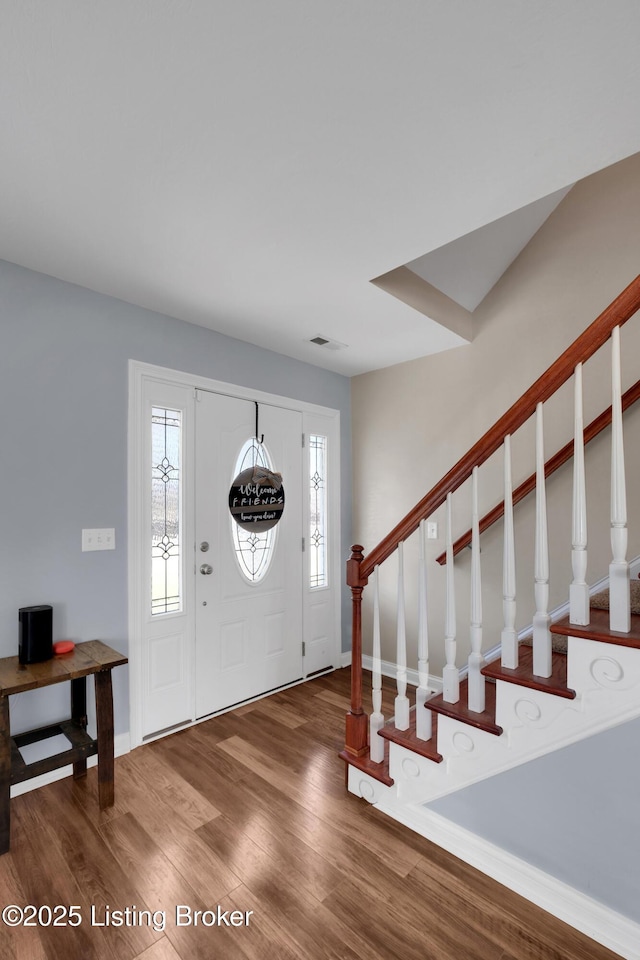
point(251, 166)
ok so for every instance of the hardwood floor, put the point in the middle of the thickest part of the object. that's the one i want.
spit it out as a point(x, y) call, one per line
point(248, 813)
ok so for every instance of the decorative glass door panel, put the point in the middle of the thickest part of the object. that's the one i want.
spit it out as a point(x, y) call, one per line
point(166, 436)
point(254, 548)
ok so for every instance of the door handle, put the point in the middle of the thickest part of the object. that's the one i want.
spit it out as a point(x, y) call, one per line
point(206, 569)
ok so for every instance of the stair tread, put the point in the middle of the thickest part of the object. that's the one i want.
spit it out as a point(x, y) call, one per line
point(379, 771)
point(524, 676)
point(408, 738)
point(598, 629)
point(460, 710)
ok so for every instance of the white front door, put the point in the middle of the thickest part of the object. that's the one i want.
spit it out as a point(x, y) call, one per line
point(248, 603)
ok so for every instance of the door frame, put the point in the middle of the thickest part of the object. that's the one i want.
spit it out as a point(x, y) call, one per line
point(144, 378)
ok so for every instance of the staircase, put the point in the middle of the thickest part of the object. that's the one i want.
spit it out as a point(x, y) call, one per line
point(580, 675)
point(594, 684)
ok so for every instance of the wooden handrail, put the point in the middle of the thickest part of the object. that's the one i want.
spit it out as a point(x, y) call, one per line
point(616, 314)
point(527, 486)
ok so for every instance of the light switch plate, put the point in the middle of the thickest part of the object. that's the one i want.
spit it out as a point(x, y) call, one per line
point(104, 539)
point(432, 530)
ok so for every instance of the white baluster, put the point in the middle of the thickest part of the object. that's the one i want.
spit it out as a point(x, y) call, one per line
point(476, 660)
point(402, 701)
point(450, 674)
point(619, 600)
point(541, 618)
point(509, 636)
point(376, 720)
point(579, 590)
point(423, 716)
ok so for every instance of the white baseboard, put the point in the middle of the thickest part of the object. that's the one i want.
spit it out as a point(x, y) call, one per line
point(121, 745)
point(388, 669)
point(594, 919)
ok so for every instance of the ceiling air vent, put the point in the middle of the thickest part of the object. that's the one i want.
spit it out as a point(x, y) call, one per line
point(329, 344)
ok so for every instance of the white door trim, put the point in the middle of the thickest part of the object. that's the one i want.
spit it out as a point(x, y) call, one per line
point(140, 375)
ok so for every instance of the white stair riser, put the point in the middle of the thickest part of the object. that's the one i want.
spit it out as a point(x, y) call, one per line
point(370, 789)
point(521, 709)
point(469, 755)
point(598, 669)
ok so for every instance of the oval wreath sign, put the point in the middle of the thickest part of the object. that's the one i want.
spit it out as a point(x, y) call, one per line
point(256, 498)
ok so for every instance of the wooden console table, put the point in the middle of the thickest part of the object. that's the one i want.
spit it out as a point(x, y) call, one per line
point(92, 657)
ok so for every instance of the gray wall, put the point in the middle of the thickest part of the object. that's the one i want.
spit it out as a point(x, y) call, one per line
point(572, 813)
point(63, 386)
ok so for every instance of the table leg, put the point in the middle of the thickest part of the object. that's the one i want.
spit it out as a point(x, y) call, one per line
point(79, 715)
point(5, 775)
point(104, 717)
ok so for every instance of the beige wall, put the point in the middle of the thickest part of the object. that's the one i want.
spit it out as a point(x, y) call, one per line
point(412, 422)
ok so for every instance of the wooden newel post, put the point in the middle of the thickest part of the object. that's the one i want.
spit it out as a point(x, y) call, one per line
point(357, 732)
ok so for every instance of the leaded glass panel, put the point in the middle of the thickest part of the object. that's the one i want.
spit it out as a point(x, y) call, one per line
point(165, 511)
point(318, 511)
point(253, 548)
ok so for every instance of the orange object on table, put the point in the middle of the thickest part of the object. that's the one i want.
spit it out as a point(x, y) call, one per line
point(63, 646)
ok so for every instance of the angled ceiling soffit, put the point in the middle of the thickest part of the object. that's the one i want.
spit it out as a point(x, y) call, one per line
point(411, 289)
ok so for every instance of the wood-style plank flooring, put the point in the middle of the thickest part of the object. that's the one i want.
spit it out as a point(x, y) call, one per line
point(248, 812)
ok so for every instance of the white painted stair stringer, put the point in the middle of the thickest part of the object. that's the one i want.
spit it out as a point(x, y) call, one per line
point(606, 678)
